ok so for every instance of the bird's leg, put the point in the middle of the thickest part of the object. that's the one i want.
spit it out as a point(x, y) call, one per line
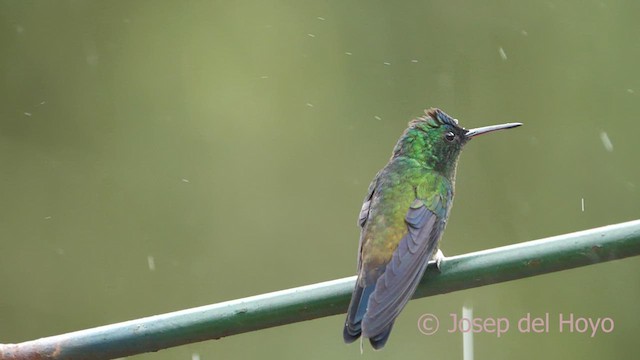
point(436, 260)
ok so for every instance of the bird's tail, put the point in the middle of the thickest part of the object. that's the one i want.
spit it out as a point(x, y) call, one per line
point(378, 341)
point(357, 308)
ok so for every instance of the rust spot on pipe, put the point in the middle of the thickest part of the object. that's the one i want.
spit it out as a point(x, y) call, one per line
point(534, 262)
point(41, 349)
point(56, 351)
point(24, 351)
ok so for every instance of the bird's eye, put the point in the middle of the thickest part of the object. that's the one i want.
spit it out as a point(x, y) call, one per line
point(449, 136)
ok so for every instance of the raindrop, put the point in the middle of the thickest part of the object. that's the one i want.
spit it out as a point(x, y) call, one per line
point(503, 54)
point(608, 145)
point(151, 262)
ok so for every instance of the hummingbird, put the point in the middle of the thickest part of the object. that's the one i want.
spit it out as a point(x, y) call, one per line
point(402, 220)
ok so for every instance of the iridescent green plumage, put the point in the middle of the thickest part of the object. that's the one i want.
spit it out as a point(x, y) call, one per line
point(402, 219)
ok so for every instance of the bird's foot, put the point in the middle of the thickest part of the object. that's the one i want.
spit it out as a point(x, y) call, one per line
point(436, 260)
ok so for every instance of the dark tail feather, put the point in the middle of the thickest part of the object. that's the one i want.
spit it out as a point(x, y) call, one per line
point(378, 341)
point(357, 308)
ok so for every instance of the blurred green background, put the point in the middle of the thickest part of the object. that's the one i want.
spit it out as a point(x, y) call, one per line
point(156, 156)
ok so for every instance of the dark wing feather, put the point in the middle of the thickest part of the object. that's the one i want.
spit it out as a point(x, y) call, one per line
point(396, 285)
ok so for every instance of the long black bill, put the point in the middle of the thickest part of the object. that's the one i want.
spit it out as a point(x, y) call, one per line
point(487, 129)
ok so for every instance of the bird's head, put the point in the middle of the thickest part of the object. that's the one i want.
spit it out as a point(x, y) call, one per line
point(436, 140)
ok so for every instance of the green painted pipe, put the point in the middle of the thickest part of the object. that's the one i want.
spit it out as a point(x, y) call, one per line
point(329, 298)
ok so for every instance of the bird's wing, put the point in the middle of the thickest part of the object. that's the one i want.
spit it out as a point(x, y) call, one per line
point(425, 221)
